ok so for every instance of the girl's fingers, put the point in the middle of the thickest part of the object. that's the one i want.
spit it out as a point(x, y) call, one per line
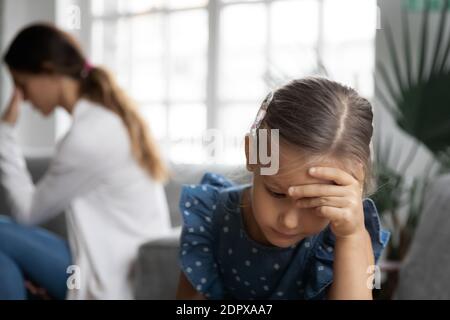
point(338, 202)
point(331, 213)
point(317, 190)
point(334, 174)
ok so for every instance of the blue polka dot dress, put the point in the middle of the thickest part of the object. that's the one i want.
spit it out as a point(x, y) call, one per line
point(222, 262)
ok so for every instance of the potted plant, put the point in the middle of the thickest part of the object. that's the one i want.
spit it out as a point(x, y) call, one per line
point(418, 98)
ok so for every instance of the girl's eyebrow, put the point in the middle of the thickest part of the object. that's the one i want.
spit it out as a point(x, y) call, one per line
point(273, 182)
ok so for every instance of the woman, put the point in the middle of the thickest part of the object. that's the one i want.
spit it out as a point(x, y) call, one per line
point(106, 173)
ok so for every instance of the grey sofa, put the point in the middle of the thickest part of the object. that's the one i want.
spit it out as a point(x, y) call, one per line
point(424, 272)
point(156, 269)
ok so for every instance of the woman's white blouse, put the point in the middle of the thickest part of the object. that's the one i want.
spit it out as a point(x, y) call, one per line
point(112, 205)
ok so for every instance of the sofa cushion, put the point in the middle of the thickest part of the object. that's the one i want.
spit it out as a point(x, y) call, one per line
point(192, 174)
point(424, 272)
point(156, 269)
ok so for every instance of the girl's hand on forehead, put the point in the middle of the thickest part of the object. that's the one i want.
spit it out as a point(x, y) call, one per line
point(340, 202)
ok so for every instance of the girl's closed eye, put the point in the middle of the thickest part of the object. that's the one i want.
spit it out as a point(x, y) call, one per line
point(274, 194)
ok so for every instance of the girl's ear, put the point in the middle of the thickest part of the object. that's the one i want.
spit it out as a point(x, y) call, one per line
point(360, 174)
point(250, 167)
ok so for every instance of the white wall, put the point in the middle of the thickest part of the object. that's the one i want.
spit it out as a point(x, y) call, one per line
point(35, 133)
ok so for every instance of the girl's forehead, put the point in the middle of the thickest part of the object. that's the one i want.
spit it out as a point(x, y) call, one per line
point(291, 157)
point(294, 166)
point(293, 161)
point(295, 177)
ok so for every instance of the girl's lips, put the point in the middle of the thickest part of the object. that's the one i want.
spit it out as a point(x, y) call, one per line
point(284, 235)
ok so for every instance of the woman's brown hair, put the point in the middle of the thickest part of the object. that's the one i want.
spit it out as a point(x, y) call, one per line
point(39, 46)
point(323, 118)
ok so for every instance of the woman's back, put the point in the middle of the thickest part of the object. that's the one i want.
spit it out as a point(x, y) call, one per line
point(119, 210)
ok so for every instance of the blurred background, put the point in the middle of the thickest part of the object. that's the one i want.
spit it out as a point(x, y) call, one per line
point(199, 70)
point(194, 65)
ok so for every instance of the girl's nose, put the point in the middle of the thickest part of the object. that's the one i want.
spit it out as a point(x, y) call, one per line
point(290, 219)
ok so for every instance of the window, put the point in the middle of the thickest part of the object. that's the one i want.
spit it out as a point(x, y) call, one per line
point(194, 65)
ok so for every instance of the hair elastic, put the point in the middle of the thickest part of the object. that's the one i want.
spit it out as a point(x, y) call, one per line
point(262, 111)
point(86, 69)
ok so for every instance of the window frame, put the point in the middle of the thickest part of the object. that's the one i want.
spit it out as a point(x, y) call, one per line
point(213, 8)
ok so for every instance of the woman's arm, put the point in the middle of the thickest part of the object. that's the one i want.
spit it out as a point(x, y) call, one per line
point(14, 175)
point(74, 169)
point(185, 290)
point(353, 256)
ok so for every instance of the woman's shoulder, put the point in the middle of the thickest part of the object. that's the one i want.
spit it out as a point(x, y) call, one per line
point(95, 116)
point(95, 132)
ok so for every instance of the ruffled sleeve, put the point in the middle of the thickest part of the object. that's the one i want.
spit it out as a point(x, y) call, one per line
point(198, 204)
point(320, 267)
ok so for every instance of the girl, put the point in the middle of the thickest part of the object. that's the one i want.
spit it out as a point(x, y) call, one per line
point(106, 171)
point(302, 233)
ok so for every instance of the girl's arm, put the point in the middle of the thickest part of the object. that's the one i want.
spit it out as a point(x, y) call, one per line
point(341, 203)
point(185, 290)
point(353, 257)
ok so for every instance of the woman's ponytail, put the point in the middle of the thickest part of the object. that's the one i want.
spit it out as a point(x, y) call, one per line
point(99, 86)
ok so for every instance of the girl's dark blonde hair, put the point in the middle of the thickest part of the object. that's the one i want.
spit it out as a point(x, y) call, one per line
point(43, 48)
point(324, 118)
